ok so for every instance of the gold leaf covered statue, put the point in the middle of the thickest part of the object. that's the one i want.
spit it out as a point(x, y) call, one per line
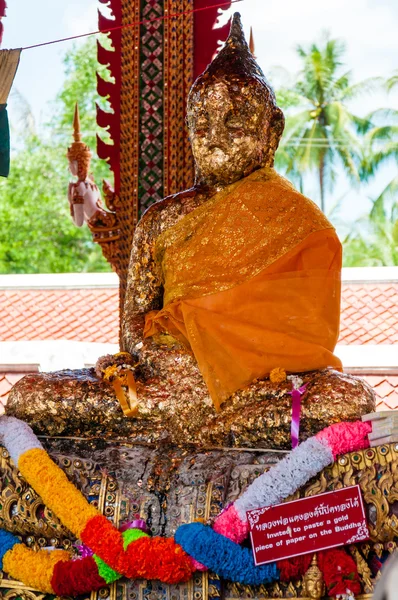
point(228, 280)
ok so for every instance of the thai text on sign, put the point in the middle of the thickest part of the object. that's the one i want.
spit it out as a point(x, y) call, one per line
point(307, 525)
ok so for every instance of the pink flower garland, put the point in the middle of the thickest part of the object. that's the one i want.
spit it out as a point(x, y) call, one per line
point(293, 471)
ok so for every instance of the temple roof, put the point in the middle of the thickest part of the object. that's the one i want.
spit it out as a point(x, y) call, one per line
point(84, 308)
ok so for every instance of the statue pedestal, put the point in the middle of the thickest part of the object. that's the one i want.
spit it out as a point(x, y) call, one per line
point(171, 485)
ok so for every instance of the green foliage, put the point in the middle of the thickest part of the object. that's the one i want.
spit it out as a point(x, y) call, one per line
point(321, 133)
point(37, 233)
point(80, 86)
point(374, 241)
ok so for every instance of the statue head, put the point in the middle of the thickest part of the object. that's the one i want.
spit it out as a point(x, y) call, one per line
point(314, 586)
point(233, 120)
point(79, 154)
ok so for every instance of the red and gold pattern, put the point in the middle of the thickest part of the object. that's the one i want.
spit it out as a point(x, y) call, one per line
point(153, 65)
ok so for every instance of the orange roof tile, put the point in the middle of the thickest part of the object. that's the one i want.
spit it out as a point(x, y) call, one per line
point(7, 380)
point(63, 314)
point(386, 389)
point(369, 314)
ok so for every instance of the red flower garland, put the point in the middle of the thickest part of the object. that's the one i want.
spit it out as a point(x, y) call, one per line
point(70, 578)
point(158, 558)
point(148, 558)
point(339, 571)
point(105, 541)
point(292, 569)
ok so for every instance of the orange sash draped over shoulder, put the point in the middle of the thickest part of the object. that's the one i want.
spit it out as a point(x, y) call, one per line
point(251, 282)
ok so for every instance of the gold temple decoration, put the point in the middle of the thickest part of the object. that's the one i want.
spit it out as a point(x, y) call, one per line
point(177, 72)
point(79, 151)
point(314, 586)
point(363, 570)
point(128, 199)
point(23, 513)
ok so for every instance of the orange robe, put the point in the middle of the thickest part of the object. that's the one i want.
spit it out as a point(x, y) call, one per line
point(251, 282)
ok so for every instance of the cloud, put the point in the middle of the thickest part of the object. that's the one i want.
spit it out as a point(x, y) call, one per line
point(78, 19)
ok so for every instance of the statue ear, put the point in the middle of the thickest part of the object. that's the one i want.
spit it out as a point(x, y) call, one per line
point(277, 122)
point(276, 127)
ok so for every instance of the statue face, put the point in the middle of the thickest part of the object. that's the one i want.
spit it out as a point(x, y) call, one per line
point(315, 587)
point(229, 125)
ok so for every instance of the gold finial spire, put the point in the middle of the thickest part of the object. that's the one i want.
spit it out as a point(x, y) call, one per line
point(251, 43)
point(79, 151)
point(314, 561)
point(77, 136)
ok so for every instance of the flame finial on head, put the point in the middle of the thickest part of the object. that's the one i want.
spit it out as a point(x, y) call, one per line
point(235, 57)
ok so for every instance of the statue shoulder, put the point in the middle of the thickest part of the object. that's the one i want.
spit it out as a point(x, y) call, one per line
point(305, 207)
point(165, 212)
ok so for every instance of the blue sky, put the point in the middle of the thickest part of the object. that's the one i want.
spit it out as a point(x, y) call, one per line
point(368, 27)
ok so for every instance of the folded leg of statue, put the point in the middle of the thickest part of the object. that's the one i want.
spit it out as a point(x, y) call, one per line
point(173, 404)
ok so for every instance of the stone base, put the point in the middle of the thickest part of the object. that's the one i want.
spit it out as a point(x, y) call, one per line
point(172, 485)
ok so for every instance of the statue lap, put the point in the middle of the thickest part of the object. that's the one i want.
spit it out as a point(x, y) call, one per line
point(175, 406)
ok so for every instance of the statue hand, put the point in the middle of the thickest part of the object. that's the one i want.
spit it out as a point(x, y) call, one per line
point(91, 197)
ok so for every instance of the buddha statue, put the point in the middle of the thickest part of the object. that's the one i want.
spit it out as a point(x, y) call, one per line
point(228, 281)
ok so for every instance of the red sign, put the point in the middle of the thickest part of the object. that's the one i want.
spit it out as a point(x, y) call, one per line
point(307, 525)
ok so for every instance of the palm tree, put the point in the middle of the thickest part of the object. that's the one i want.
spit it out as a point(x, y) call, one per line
point(374, 241)
point(320, 130)
point(381, 145)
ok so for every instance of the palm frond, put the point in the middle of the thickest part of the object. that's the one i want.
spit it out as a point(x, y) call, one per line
point(383, 115)
point(392, 82)
point(389, 194)
point(367, 86)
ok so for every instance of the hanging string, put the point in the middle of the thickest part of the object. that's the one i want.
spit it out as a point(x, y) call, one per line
point(144, 22)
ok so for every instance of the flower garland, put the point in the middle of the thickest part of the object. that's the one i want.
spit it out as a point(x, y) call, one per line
point(132, 553)
point(340, 573)
point(292, 472)
point(223, 556)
